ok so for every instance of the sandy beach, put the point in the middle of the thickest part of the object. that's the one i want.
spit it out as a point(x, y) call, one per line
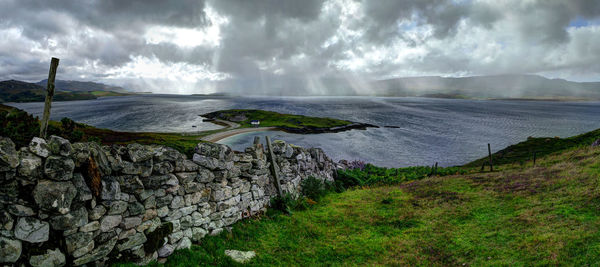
point(222, 135)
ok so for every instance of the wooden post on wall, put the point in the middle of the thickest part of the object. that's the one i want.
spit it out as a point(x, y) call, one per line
point(49, 94)
point(274, 167)
point(490, 153)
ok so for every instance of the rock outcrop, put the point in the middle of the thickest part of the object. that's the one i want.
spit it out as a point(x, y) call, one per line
point(86, 204)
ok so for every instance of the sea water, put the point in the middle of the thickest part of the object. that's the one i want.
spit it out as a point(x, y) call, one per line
point(425, 130)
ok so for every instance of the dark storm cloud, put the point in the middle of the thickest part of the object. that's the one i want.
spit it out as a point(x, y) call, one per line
point(294, 47)
point(385, 14)
point(254, 10)
point(112, 14)
point(264, 29)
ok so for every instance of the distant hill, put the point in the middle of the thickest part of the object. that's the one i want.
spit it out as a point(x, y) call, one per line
point(79, 86)
point(19, 91)
point(499, 86)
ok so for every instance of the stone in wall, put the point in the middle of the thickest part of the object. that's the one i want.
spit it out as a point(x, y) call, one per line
point(8, 155)
point(54, 196)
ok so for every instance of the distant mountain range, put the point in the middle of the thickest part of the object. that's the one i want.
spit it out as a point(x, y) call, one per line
point(480, 87)
point(78, 86)
point(19, 91)
point(500, 86)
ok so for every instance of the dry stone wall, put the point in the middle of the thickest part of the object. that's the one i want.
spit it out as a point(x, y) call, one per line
point(83, 204)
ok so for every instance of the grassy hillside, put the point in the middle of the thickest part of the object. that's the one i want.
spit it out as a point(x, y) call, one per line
point(274, 119)
point(21, 127)
point(183, 143)
point(74, 86)
point(520, 216)
point(18, 91)
point(542, 146)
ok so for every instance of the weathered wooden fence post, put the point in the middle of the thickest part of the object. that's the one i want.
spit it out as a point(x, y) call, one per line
point(256, 140)
point(49, 94)
point(490, 153)
point(435, 169)
point(533, 158)
point(273, 166)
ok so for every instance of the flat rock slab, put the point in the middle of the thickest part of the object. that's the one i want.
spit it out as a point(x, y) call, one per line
point(32, 230)
point(240, 256)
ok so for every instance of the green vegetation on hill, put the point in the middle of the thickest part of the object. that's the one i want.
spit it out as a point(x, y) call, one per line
point(106, 93)
point(542, 146)
point(18, 125)
point(17, 91)
point(521, 216)
point(21, 127)
point(183, 143)
point(373, 175)
point(274, 119)
point(82, 86)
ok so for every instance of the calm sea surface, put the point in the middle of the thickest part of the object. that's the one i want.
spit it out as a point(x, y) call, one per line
point(448, 131)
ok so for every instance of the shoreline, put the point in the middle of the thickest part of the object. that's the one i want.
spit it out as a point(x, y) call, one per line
point(216, 137)
point(235, 131)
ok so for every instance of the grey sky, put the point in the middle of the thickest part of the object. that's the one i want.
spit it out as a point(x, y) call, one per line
point(295, 47)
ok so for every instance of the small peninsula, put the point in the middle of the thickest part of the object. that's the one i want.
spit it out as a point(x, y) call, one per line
point(241, 121)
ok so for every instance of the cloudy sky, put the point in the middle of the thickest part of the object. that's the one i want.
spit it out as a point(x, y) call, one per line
point(295, 46)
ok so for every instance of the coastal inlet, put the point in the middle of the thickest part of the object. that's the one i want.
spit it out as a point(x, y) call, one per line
point(449, 131)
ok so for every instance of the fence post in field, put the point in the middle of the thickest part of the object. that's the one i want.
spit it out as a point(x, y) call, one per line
point(49, 94)
point(534, 158)
point(490, 153)
point(273, 166)
point(435, 169)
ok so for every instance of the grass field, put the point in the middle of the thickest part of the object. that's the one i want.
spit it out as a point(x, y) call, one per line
point(519, 216)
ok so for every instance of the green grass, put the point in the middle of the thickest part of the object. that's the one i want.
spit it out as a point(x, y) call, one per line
point(374, 175)
point(274, 119)
point(5, 108)
point(523, 151)
point(521, 216)
point(182, 142)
